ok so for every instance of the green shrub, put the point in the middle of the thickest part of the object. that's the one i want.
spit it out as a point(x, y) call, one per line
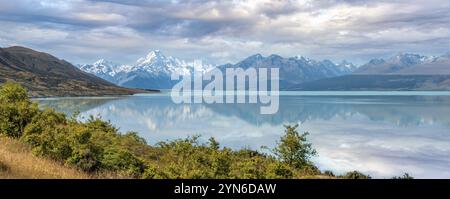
point(405, 176)
point(329, 173)
point(91, 146)
point(85, 157)
point(293, 148)
point(250, 168)
point(279, 170)
point(16, 109)
point(152, 172)
point(355, 175)
point(12, 93)
point(120, 160)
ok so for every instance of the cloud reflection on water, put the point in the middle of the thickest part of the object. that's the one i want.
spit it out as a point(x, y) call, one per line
point(382, 136)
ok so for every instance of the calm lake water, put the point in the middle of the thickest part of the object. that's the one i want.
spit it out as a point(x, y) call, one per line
point(379, 133)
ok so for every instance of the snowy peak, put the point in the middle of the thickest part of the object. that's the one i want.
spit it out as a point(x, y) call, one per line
point(345, 63)
point(157, 63)
point(346, 66)
point(294, 70)
point(252, 60)
point(155, 53)
point(408, 59)
point(103, 62)
point(406, 63)
point(100, 67)
point(152, 56)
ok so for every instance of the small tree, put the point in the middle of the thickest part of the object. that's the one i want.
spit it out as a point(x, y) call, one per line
point(293, 148)
point(405, 176)
point(16, 109)
point(355, 175)
point(213, 144)
point(12, 93)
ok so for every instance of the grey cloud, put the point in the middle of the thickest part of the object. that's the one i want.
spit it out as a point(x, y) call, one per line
point(335, 29)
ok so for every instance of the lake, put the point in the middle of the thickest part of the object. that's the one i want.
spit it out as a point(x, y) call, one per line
point(379, 133)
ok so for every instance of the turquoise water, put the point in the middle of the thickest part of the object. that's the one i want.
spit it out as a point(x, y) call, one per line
point(379, 133)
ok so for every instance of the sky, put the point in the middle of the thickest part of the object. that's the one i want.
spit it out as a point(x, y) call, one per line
point(226, 31)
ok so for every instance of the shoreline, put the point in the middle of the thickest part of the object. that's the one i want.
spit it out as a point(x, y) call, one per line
point(147, 91)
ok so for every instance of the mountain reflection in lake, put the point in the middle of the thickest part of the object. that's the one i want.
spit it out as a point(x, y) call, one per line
point(379, 135)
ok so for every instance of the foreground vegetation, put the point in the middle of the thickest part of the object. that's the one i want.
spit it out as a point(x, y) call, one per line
point(95, 148)
point(17, 162)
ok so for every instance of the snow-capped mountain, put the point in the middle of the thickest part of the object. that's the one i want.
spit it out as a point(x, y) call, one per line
point(401, 72)
point(407, 63)
point(158, 64)
point(152, 71)
point(295, 70)
point(103, 69)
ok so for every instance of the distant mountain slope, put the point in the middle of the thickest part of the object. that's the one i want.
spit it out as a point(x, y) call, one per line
point(154, 70)
point(295, 70)
point(401, 72)
point(379, 83)
point(45, 75)
point(408, 64)
point(150, 72)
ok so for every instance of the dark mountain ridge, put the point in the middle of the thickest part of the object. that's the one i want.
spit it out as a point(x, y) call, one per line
point(45, 75)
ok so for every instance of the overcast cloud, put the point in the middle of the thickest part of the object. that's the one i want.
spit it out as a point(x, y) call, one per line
point(220, 31)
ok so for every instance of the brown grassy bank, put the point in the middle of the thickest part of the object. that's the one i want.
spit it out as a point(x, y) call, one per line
point(17, 162)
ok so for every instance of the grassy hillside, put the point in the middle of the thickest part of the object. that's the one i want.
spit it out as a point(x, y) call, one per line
point(17, 162)
point(45, 75)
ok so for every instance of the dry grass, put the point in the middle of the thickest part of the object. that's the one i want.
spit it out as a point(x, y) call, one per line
point(17, 162)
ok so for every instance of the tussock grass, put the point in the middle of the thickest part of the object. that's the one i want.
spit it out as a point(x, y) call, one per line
point(17, 162)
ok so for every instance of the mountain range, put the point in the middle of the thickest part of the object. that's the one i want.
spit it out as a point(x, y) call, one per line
point(400, 72)
point(154, 70)
point(404, 71)
point(45, 75)
point(150, 72)
point(408, 64)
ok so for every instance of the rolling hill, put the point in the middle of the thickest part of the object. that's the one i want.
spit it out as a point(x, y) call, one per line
point(45, 75)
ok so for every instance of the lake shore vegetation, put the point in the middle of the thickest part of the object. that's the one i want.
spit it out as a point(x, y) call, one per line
point(66, 147)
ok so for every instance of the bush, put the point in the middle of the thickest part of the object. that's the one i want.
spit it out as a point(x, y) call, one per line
point(85, 157)
point(278, 170)
point(152, 172)
point(250, 168)
point(405, 176)
point(91, 146)
point(16, 109)
point(329, 173)
point(12, 93)
point(121, 160)
point(355, 175)
point(293, 148)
